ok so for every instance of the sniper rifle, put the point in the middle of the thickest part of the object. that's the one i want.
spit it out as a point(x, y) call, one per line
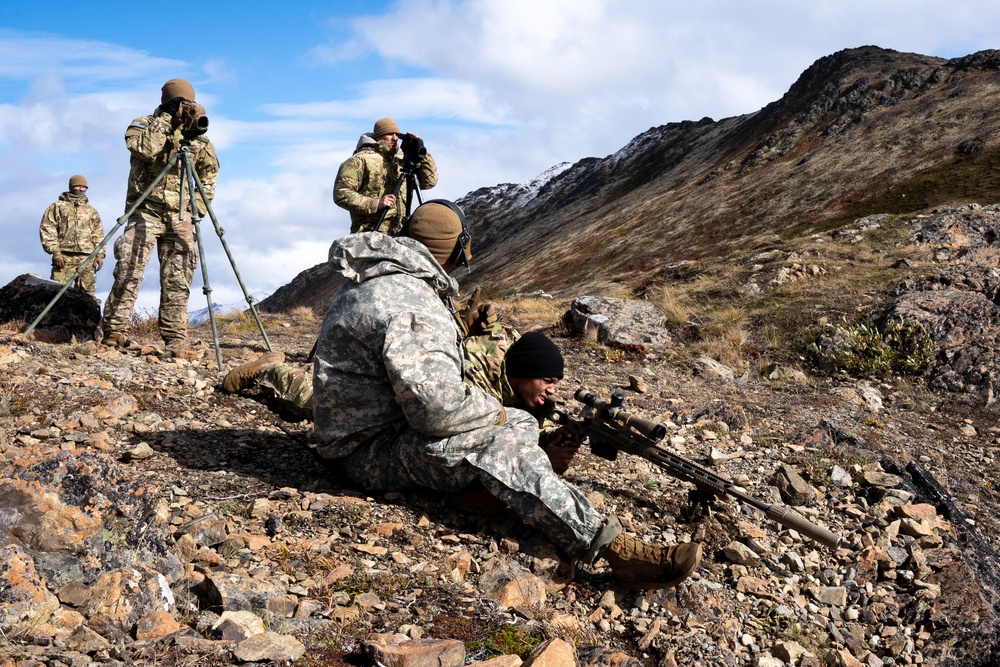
point(611, 429)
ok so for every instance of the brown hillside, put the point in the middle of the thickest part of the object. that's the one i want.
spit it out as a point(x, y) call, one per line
point(862, 131)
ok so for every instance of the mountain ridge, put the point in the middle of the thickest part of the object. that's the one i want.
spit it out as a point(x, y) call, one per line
point(861, 131)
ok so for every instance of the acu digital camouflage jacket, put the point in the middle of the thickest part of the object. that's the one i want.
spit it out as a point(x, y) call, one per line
point(389, 354)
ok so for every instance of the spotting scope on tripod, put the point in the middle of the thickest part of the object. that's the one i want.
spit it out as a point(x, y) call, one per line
point(413, 154)
point(193, 123)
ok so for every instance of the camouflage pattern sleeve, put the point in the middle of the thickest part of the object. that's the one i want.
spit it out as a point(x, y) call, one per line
point(97, 232)
point(483, 360)
point(49, 229)
point(427, 174)
point(146, 137)
point(347, 188)
point(206, 165)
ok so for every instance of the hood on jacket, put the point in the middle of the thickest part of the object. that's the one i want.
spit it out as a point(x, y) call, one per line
point(367, 140)
point(361, 257)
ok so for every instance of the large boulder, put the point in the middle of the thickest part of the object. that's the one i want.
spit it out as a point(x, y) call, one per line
point(621, 322)
point(76, 316)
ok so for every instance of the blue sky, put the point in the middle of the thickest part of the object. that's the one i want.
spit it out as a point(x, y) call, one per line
point(500, 90)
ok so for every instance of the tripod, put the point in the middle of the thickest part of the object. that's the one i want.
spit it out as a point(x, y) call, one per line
point(409, 176)
point(189, 183)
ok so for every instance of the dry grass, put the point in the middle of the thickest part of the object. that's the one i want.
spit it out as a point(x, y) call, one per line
point(664, 299)
point(144, 324)
point(532, 312)
point(238, 322)
point(14, 326)
point(742, 329)
point(302, 316)
point(724, 336)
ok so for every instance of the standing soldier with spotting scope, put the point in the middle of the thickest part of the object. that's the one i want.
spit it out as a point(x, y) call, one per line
point(372, 183)
point(160, 221)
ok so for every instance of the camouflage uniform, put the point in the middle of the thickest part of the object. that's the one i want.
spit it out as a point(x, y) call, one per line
point(367, 176)
point(158, 221)
point(72, 227)
point(293, 389)
point(291, 385)
point(484, 363)
point(392, 408)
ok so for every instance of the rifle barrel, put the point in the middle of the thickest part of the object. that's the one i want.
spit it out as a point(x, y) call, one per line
point(624, 432)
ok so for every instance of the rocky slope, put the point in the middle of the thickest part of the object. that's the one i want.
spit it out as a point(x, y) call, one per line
point(148, 518)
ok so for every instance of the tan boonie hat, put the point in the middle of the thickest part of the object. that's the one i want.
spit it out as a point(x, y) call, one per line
point(77, 180)
point(176, 88)
point(385, 126)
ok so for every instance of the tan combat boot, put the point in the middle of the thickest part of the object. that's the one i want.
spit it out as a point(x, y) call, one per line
point(637, 564)
point(118, 340)
point(243, 376)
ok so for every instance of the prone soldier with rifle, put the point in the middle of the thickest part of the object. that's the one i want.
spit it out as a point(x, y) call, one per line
point(610, 429)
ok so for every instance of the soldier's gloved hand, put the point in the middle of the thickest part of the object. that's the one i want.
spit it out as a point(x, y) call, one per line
point(170, 107)
point(479, 318)
point(486, 319)
point(98, 263)
point(58, 261)
point(470, 313)
point(561, 447)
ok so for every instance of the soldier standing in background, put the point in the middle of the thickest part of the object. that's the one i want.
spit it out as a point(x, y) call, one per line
point(366, 180)
point(158, 221)
point(71, 228)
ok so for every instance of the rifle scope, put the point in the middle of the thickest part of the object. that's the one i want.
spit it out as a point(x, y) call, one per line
point(615, 412)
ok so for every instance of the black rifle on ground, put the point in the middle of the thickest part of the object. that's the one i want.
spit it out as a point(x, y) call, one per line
point(611, 429)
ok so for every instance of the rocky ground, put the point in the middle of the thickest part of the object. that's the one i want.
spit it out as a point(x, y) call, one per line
point(148, 518)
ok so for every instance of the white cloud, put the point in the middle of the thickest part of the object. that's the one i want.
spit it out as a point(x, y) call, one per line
point(25, 55)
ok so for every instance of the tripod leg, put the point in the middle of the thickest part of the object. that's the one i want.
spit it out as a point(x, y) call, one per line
point(118, 224)
point(385, 211)
point(221, 233)
point(412, 189)
point(188, 177)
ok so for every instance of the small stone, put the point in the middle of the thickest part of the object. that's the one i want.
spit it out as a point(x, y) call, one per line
point(140, 452)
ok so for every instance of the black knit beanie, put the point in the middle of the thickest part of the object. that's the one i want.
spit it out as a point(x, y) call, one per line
point(533, 355)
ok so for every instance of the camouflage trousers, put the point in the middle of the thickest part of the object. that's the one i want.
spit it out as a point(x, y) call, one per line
point(505, 459)
point(177, 253)
point(87, 280)
point(292, 386)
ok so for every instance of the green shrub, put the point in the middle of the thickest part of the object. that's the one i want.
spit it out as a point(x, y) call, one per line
point(862, 350)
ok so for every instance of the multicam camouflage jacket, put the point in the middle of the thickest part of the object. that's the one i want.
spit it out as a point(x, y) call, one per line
point(71, 225)
point(389, 354)
point(151, 141)
point(484, 362)
point(367, 176)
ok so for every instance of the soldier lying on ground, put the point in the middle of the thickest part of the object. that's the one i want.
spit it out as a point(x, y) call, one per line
point(393, 412)
point(521, 375)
